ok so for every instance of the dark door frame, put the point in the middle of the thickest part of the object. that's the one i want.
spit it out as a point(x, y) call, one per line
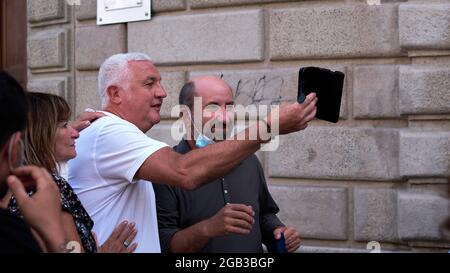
point(13, 38)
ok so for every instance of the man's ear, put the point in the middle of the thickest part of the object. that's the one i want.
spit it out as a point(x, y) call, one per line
point(114, 94)
point(15, 147)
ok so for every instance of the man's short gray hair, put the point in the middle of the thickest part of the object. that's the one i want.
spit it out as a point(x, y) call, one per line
point(114, 71)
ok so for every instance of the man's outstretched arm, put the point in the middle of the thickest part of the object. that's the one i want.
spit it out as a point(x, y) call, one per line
point(197, 167)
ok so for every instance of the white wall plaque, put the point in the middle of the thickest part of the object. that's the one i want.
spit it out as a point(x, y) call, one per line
point(122, 11)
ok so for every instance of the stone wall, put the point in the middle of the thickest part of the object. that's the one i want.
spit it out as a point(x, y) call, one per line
point(378, 175)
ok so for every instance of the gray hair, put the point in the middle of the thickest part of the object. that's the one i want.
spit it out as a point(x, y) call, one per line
point(114, 71)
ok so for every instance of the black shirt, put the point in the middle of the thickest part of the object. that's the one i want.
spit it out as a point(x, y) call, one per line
point(179, 209)
point(15, 235)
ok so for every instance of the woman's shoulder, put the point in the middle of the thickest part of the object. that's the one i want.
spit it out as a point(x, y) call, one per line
point(61, 181)
point(68, 195)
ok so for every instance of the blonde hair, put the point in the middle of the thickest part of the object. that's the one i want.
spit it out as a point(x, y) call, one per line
point(45, 112)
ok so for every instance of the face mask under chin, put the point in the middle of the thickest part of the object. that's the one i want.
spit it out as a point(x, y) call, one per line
point(203, 141)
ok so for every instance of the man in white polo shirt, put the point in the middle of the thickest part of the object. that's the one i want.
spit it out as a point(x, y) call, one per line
point(116, 160)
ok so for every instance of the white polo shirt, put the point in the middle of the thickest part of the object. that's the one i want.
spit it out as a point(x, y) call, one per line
point(109, 153)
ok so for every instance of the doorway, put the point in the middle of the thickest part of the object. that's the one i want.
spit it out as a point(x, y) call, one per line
point(13, 39)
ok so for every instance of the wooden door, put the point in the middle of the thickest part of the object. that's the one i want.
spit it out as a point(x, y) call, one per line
point(13, 36)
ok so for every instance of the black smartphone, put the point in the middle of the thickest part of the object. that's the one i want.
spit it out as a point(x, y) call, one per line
point(327, 85)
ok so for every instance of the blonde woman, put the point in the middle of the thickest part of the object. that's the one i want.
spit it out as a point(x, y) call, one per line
point(50, 139)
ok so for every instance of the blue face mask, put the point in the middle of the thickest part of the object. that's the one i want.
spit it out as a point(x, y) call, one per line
point(202, 141)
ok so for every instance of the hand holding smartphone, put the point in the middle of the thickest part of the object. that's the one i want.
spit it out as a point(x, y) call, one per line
point(281, 244)
point(277, 246)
